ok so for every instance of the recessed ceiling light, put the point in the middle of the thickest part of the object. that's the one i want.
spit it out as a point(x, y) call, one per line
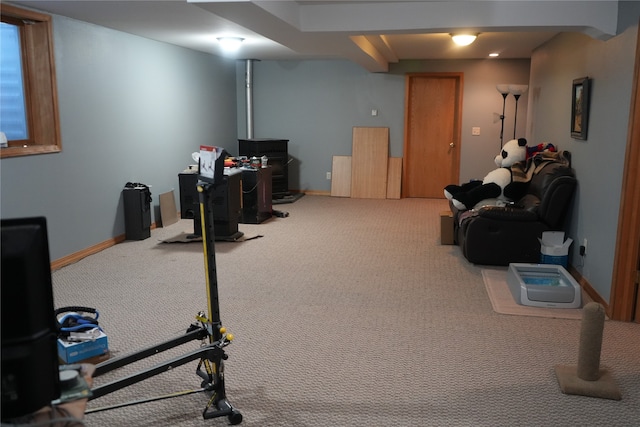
point(494, 54)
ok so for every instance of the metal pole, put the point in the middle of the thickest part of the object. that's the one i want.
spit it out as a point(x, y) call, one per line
point(249, 92)
point(515, 116)
point(205, 191)
point(504, 102)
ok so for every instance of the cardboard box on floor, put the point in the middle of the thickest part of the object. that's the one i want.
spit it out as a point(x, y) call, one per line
point(446, 228)
point(73, 352)
point(554, 249)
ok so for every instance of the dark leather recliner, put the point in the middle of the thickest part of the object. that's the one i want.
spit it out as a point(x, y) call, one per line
point(493, 235)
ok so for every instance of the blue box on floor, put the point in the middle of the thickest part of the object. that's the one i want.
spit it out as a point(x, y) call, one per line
point(72, 352)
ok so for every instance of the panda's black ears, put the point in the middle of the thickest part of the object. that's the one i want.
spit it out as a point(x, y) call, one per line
point(522, 142)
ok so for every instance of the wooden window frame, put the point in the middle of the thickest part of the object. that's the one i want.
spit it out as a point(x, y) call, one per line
point(41, 96)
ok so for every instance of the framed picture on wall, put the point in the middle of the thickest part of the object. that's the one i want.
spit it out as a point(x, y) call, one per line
point(580, 108)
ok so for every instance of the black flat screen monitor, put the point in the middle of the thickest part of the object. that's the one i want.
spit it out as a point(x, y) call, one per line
point(30, 377)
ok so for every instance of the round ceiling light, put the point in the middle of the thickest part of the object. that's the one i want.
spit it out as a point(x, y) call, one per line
point(230, 43)
point(463, 39)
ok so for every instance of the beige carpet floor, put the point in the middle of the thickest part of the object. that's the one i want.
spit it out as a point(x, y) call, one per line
point(347, 313)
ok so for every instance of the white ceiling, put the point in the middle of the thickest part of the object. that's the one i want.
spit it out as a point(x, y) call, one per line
point(372, 33)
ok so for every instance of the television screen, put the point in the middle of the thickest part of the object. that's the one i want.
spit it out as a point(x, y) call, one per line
point(30, 377)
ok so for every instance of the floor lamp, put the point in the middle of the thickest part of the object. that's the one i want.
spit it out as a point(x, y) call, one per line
point(516, 91)
point(504, 90)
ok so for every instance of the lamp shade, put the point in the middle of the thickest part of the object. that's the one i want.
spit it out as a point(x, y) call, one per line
point(503, 89)
point(518, 89)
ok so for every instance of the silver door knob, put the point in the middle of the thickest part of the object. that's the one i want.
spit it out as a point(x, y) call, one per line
point(451, 144)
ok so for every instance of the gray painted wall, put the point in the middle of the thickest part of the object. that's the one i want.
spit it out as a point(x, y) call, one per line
point(599, 160)
point(131, 109)
point(315, 104)
point(134, 110)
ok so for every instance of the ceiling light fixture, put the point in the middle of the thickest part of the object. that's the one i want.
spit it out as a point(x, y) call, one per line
point(494, 54)
point(464, 39)
point(230, 43)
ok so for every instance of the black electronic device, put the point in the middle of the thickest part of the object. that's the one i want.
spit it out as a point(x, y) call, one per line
point(277, 153)
point(189, 199)
point(256, 195)
point(30, 377)
point(226, 202)
point(137, 211)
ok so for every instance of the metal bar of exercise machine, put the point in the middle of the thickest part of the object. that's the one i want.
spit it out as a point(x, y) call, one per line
point(211, 355)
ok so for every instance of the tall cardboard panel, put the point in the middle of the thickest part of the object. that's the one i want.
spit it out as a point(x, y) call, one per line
point(168, 210)
point(369, 162)
point(341, 176)
point(394, 177)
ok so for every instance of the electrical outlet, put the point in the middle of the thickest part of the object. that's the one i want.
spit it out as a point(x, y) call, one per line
point(328, 175)
point(583, 247)
point(475, 131)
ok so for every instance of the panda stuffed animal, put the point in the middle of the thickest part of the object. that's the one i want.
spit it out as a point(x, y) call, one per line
point(497, 184)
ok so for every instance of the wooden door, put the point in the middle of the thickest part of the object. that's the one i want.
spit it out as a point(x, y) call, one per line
point(636, 305)
point(624, 302)
point(433, 106)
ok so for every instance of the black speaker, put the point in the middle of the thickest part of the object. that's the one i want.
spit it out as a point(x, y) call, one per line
point(189, 197)
point(137, 211)
point(30, 377)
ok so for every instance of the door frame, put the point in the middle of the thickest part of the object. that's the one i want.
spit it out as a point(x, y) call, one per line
point(624, 287)
point(457, 131)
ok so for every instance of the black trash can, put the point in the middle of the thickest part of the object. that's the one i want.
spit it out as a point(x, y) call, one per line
point(137, 211)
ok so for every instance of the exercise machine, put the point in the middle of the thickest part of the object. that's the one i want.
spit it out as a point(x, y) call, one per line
point(209, 329)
